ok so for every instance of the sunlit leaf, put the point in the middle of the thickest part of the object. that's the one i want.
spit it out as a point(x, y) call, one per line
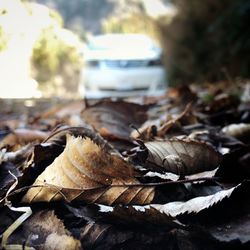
point(194, 205)
point(86, 172)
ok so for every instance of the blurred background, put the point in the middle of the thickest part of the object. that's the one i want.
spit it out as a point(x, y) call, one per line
point(43, 42)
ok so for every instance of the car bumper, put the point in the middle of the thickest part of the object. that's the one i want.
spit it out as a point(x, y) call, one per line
point(98, 83)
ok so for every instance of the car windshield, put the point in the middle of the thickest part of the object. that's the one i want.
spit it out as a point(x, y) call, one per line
point(117, 41)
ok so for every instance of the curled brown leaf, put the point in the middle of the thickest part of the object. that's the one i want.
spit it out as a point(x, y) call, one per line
point(86, 172)
point(182, 157)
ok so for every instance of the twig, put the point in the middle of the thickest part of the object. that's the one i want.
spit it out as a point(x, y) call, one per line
point(168, 125)
point(27, 213)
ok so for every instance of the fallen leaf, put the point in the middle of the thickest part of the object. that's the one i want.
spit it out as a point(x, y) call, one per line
point(44, 230)
point(114, 119)
point(227, 221)
point(233, 166)
point(194, 205)
point(182, 95)
point(240, 131)
point(133, 215)
point(161, 126)
point(182, 157)
point(58, 136)
point(16, 157)
point(86, 172)
point(169, 124)
point(23, 137)
point(63, 110)
point(108, 236)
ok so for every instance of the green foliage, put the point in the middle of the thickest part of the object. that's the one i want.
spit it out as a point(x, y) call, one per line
point(51, 53)
point(56, 16)
point(3, 37)
point(136, 23)
point(205, 38)
point(3, 40)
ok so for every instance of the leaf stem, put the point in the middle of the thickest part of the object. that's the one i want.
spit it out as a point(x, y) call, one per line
point(152, 184)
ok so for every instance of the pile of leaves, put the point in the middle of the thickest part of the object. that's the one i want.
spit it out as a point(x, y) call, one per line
point(165, 173)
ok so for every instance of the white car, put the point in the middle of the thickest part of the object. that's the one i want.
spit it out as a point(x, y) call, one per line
point(122, 65)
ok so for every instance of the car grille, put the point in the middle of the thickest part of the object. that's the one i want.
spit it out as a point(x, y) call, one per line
point(126, 63)
point(123, 90)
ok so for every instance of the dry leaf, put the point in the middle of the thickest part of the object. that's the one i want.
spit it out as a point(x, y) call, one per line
point(86, 172)
point(114, 119)
point(53, 146)
point(45, 231)
point(59, 242)
point(63, 110)
point(182, 95)
point(22, 137)
point(169, 124)
point(161, 126)
point(133, 215)
point(240, 131)
point(194, 205)
point(58, 137)
point(183, 157)
point(100, 236)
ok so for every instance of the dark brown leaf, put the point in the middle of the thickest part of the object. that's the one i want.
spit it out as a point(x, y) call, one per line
point(114, 119)
point(108, 236)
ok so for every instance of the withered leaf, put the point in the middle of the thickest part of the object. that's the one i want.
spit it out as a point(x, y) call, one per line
point(107, 236)
point(165, 214)
point(133, 215)
point(86, 172)
point(22, 137)
point(58, 137)
point(46, 152)
point(114, 119)
point(45, 231)
point(240, 131)
point(194, 205)
point(183, 157)
point(63, 110)
point(228, 220)
point(138, 215)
